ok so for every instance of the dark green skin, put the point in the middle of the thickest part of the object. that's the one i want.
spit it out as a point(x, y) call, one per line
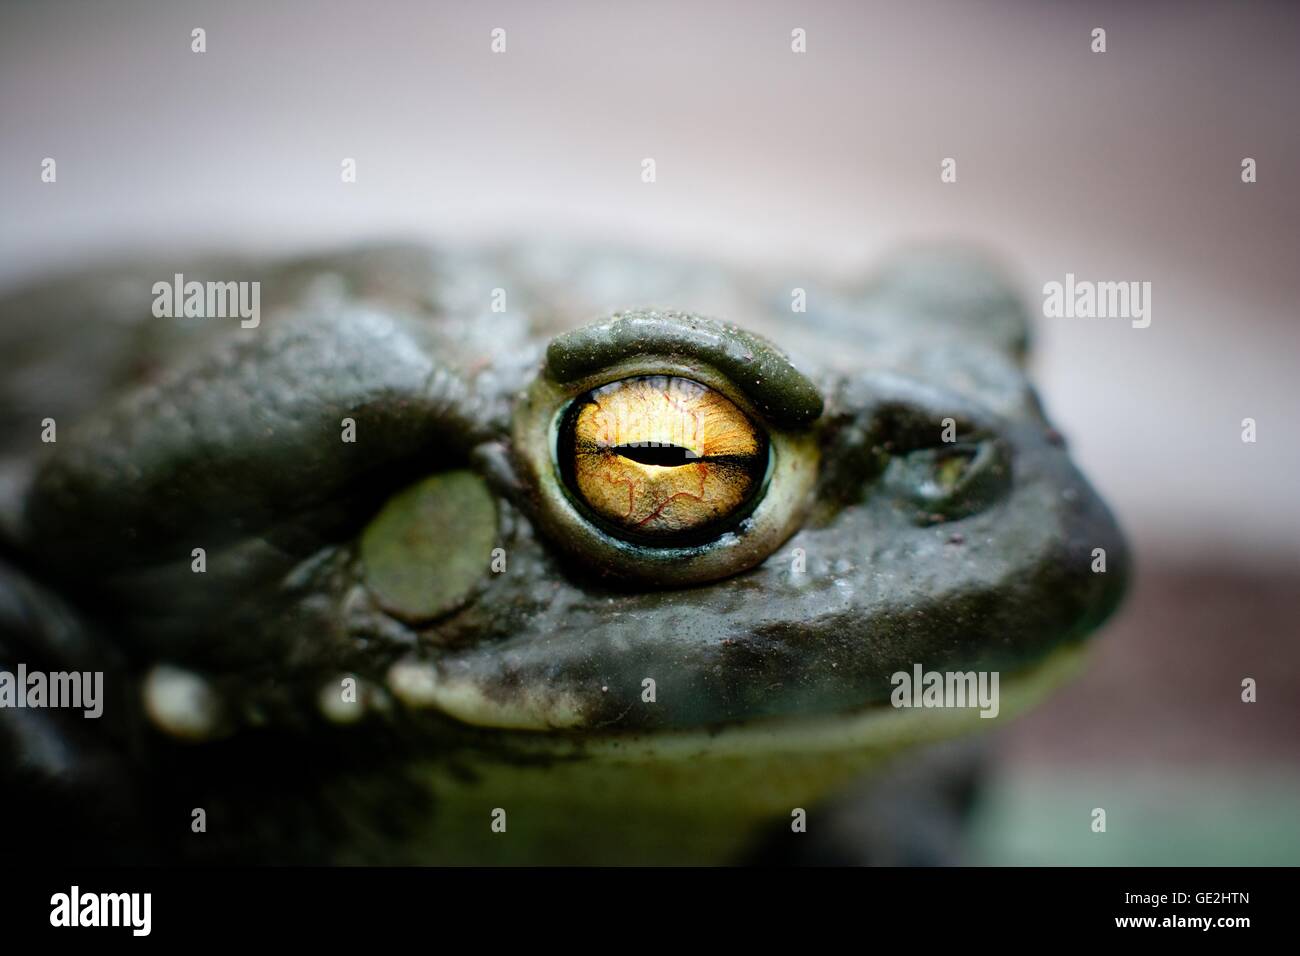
point(175, 434)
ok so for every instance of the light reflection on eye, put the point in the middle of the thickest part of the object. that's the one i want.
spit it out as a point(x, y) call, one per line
point(661, 458)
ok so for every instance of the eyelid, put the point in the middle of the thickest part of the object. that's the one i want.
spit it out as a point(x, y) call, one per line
point(783, 394)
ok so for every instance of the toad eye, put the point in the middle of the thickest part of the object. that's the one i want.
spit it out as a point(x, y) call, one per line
point(659, 458)
point(666, 449)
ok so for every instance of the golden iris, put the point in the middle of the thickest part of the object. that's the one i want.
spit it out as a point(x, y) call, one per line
point(661, 457)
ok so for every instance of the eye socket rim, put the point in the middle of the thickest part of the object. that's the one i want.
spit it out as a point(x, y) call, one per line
point(777, 513)
point(699, 535)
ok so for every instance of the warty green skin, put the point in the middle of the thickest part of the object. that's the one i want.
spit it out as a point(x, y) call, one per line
point(771, 685)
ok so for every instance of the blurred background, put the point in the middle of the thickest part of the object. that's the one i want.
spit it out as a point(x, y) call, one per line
point(1123, 165)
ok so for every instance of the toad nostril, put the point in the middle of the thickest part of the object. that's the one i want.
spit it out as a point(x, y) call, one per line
point(949, 469)
point(951, 482)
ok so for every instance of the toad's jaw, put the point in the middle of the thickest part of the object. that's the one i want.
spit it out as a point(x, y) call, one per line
point(675, 796)
point(876, 729)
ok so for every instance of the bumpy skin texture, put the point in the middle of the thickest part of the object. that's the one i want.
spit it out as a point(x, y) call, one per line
point(175, 435)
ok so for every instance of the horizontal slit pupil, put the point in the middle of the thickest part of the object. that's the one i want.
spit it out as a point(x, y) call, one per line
point(653, 453)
